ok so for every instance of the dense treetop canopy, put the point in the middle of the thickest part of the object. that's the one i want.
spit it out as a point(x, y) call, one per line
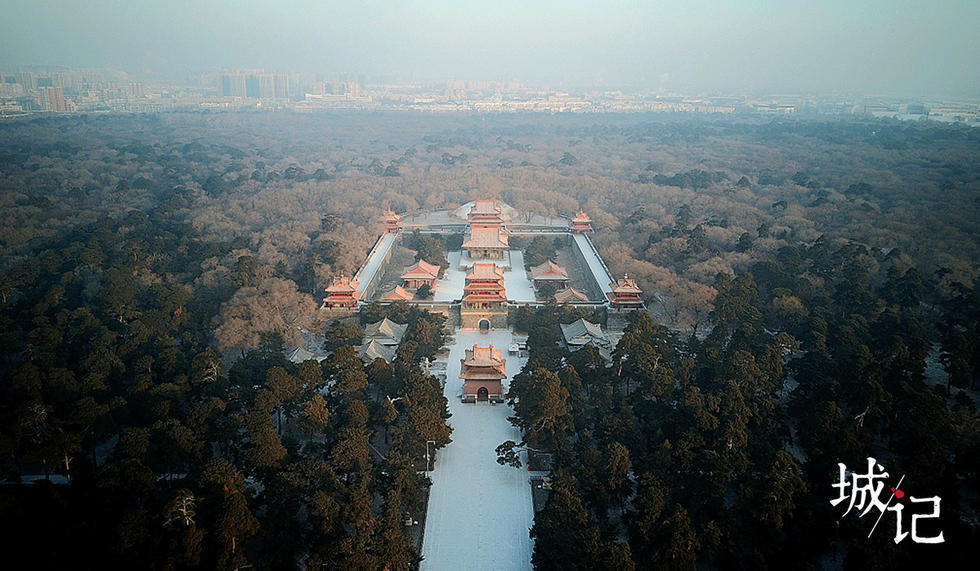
point(812, 295)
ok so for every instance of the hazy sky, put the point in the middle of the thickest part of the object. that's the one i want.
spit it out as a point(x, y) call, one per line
point(903, 47)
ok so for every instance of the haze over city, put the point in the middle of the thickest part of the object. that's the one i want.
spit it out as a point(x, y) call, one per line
point(901, 48)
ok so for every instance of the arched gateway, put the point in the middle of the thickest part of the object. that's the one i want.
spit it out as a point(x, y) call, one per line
point(482, 370)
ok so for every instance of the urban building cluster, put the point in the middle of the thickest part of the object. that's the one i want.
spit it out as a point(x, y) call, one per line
point(256, 85)
point(74, 92)
point(87, 91)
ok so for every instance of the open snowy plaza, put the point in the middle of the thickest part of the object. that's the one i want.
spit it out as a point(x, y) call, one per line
point(450, 287)
point(519, 288)
point(479, 511)
point(375, 260)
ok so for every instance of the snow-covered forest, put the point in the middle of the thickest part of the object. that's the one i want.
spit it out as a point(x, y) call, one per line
point(812, 297)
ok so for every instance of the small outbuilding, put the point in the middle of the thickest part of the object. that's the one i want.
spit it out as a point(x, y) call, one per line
point(420, 273)
point(549, 273)
point(386, 332)
point(580, 333)
point(374, 349)
point(397, 294)
point(570, 295)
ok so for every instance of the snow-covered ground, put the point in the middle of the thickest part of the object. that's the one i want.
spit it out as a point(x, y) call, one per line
point(479, 511)
point(375, 258)
point(466, 262)
point(594, 264)
point(519, 288)
point(450, 287)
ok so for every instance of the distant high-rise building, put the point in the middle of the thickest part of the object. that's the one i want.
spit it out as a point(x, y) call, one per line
point(266, 86)
point(64, 79)
point(237, 85)
point(281, 85)
point(92, 79)
point(252, 86)
point(233, 85)
point(27, 79)
point(479, 85)
point(456, 90)
point(260, 85)
point(11, 89)
point(53, 99)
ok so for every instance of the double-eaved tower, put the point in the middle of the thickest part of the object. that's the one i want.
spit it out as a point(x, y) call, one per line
point(484, 298)
point(393, 222)
point(487, 238)
point(581, 223)
point(342, 294)
point(625, 294)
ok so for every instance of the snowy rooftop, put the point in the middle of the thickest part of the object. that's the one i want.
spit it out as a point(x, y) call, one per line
point(549, 271)
point(486, 238)
point(386, 331)
point(487, 271)
point(421, 270)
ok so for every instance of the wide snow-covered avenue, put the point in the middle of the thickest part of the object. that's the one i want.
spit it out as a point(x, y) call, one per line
point(479, 512)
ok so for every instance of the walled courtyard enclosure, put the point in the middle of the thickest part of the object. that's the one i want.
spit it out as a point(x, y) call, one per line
point(589, 274)
point(479, 512)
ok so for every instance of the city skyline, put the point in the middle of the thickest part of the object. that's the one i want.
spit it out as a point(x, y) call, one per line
point(901, 48)
point(65, 90)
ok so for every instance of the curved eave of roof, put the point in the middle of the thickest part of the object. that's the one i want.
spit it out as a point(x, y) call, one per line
point(625, 287)
point(343, 283)
point(481, 286)
point(421, 269)
point(344, 293)
point(500, 242)
point(398, 293)
point(570, 295)
point(483, 378)
point(549, 271)
point(471, 298)
point(485, 271)
point(507, 212)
